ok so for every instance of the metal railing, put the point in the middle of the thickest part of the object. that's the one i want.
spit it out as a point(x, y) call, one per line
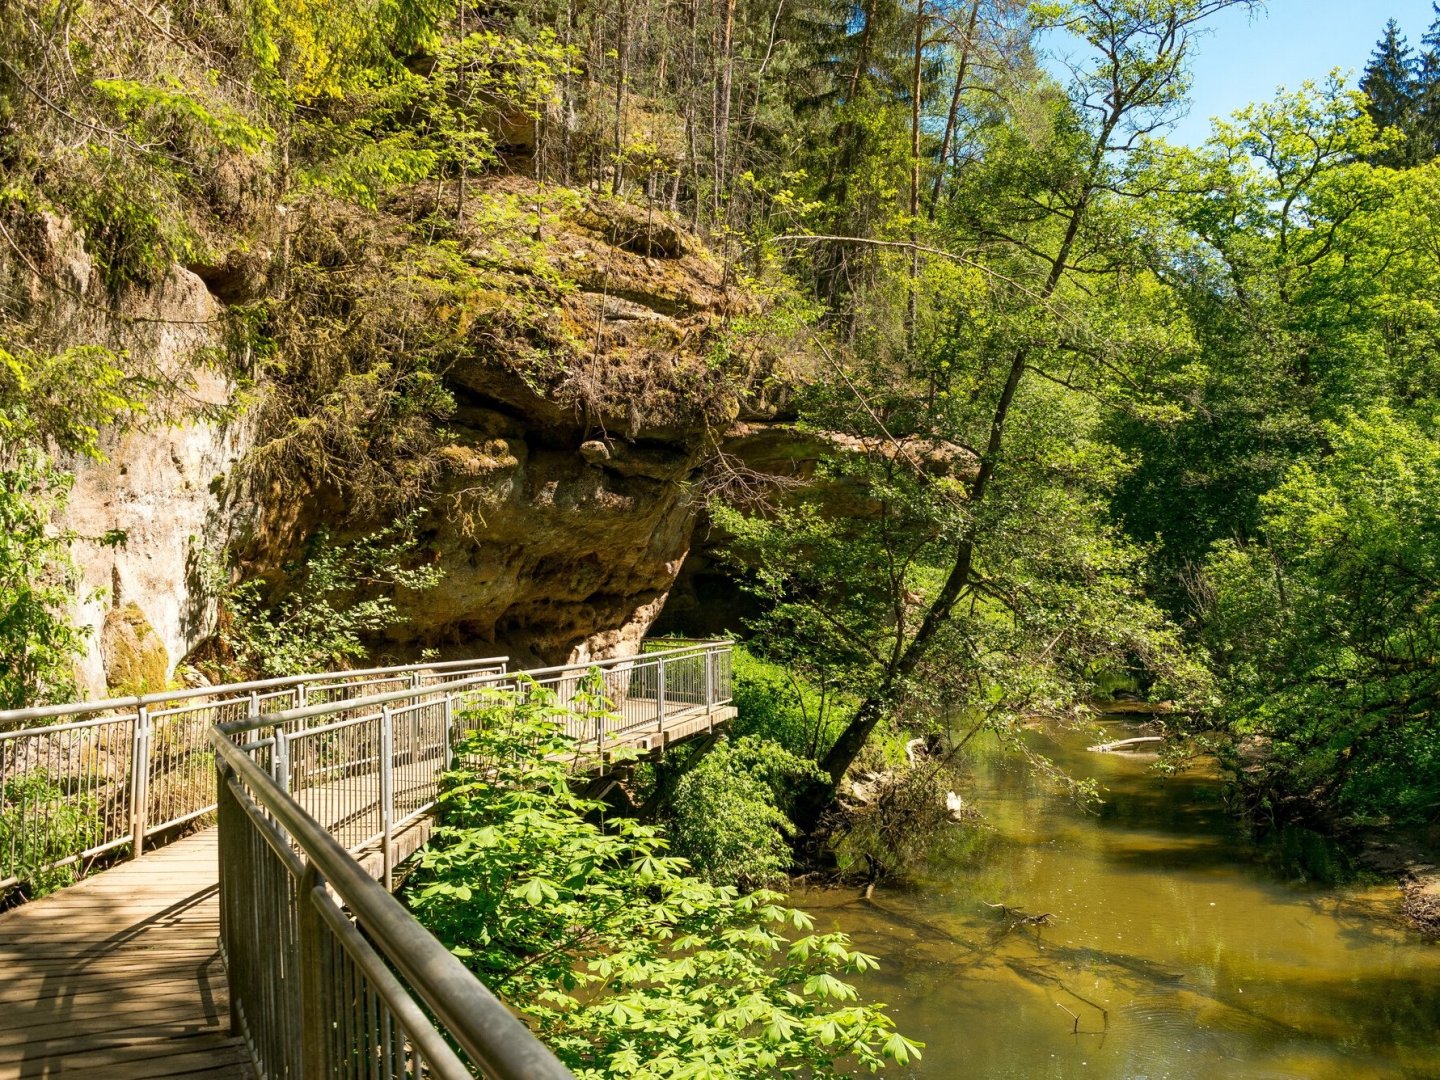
point(328, 974)
point(80, 780)
point(367, 768)
point(643, 696)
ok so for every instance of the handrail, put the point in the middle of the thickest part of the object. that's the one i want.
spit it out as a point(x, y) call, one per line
point(46, 712)
point(299, 800)
point(497, 1043)
point(538, 675)
point(124, 771)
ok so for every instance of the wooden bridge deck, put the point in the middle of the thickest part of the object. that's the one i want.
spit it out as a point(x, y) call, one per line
point(120, 975)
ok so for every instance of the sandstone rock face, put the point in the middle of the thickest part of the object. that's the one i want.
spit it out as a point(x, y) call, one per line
point(553, 558)
point(568, 505)
point(569, 490)
point(158, 488)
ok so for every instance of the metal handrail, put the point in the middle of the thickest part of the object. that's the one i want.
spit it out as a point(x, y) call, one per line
point(495, 1041)
point(46, 712)
point(120, 771)
point(537, 675)
point(300, 799)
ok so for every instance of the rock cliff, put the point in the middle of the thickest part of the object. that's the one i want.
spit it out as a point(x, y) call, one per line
point(156, 495)
point(601, 354)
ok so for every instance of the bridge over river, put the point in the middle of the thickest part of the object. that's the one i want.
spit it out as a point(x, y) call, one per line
point(268, 943)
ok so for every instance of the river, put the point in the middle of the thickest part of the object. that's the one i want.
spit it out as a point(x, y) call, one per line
point(1177, 946)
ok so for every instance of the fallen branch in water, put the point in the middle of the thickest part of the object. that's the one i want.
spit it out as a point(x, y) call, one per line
point(1124, 744)
point(1021, 919)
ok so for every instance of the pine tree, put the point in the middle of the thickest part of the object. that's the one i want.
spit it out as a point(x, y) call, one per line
point(1392, 84)
point(1426, 123)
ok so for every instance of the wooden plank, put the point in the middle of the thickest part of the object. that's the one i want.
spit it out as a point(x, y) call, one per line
point(71, 1039)
point(45, 989)
point(167, 998)
point(192, 1056)
point(120, 975)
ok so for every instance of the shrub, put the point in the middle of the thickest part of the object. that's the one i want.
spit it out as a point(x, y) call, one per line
point(319, 623)
point(728, 813)
point(774, 703)
point(40, 824)
point(619, 958)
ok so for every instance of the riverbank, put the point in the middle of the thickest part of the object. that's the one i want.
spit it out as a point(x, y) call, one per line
point(1177, 944)
point(1412, 859)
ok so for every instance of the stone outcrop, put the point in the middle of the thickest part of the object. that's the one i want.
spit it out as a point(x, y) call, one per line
point(567, 506)
point(157, 491)
point(569, 487)
point(136, 660)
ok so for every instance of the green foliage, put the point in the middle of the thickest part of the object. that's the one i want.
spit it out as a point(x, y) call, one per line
point(40, 824)
point(728, 813)
point(312, 49)
point(1281, 492)
point(1329, 633)
point(496, 77)
point(60, 401)
point(621, 961)
point(1059, 604)
point(1402, 90)
point(329, 605)
point(1286, 213)
point(775, 703)
point(38, 642)
point(149, 110)
point(64, 399)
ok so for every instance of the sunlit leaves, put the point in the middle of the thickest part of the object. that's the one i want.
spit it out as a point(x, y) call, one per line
point(335, 596)
point(624, 963)
point(1329, 633)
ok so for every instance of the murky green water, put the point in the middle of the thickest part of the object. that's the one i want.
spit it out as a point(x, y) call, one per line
point(1183, 949)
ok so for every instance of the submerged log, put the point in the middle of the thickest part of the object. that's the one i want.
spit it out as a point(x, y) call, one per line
point(1124, 744)
point(1126, 707)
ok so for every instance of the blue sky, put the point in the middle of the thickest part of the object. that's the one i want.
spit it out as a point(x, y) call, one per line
point(1244, 58)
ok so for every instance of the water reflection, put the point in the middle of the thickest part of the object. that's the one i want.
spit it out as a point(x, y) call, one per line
point(1178, 947)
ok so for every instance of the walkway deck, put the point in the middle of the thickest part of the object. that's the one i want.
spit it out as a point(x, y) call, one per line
point(120, 975)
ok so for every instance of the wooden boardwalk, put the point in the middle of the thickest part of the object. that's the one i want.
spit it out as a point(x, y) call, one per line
point(120, 977)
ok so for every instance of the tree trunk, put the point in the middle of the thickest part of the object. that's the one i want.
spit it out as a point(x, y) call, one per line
point(722, 118)
point(953, 116)
point(913, 292)
point(876, 706)
point(618, 181)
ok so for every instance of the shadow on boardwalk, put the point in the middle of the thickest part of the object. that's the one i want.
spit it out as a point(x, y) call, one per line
point(120, 975)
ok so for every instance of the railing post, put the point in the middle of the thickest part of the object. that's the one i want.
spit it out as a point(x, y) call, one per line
point(449, 728)
point(709, 679)
point(387, 792)
point(140, 782)
point(280, 767)
point(660, 693)
point(301, 698)
point(229, 818)
point(315, 1008)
